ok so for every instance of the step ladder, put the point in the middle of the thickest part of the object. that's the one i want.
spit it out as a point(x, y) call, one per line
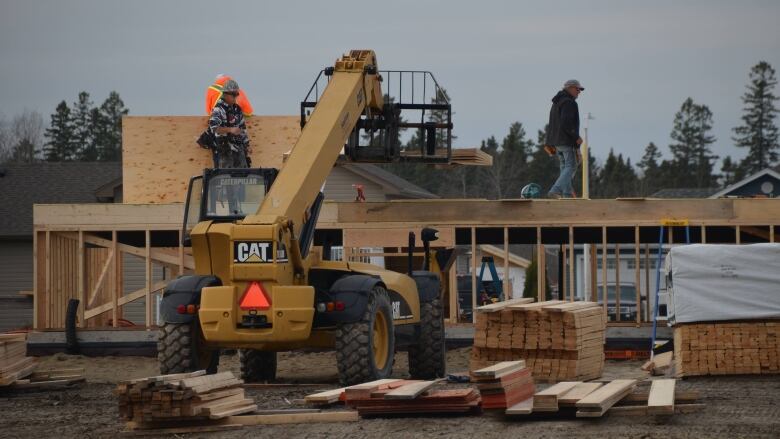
point(498, 284)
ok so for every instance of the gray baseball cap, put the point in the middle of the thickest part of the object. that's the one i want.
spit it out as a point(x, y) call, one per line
point(573, 83)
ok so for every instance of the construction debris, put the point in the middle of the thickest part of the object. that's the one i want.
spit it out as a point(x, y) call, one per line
point(660, 364)
point(14, 364)
point(721, 348)
point(558, 340)
point(182, 397)
point(504, 384)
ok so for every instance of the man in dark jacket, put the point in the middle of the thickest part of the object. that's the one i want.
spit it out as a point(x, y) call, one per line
point(563, 133)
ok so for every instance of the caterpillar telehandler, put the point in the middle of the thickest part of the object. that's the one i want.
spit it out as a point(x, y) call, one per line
point(257, 286)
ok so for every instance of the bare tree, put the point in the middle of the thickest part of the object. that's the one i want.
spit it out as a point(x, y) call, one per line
point(26, 131)
point(5, 139)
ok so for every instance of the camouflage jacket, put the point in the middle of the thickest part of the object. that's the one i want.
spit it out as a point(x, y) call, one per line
point(226, 115)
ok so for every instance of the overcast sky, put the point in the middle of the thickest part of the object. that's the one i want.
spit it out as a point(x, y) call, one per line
point(500, 61)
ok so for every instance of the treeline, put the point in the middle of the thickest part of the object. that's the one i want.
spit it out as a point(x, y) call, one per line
point(81, 131)
point(519, 159)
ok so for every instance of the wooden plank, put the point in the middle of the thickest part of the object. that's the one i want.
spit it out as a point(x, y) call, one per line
point(535, 305)
point(577, 392)
point(661, 399)
point(410, 391)
point(372, 384)
point(474, 291)
point(127, 298)
point(326, 397)
point(501, 305)
point(505, 283)
point(547, 399)
point(148, 278)
point(539, 266)
point(82, 288)
point(499, 369)
point(572, 280)
point(569, 306)
point(598, 402)
point(100, 280)
point(295, 418)
point(521, 408)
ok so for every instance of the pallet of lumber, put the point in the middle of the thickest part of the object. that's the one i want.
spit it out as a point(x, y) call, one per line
point(187, 397)
point(559, 341)
point(727, 348)
point(504, 384)
point(14, 362)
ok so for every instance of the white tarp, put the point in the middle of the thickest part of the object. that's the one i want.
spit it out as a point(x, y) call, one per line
point(723, 282)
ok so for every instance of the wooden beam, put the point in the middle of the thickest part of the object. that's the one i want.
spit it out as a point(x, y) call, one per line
point(703, 234)
point(116, 288)
point(410, 391)
point(48, 280)
point(617, 283)
point(661, 399)
point(82, 288)
point(598, 402)
point(637, 276)
point(572, 280)
point(604, 268)
point(295, 418)
point(505, 283)
point(101, 279)
point(453, 290)
point(474, 274)
point(539, 273)
point(738, 236)
point(124, 300)
point(148, 279)
point(771, 233)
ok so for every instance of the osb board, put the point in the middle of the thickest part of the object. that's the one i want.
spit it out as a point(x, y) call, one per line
point(159, 153)
point(394, 237)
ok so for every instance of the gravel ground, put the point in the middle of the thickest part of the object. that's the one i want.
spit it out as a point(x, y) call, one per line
point(737, 406)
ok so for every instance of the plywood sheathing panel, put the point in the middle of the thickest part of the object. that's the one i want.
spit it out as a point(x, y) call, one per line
point(159, 153)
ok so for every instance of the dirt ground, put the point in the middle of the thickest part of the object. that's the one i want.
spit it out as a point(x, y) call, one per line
point(737, 406)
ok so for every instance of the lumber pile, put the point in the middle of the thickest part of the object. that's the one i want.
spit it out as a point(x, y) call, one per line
point(14, 362)
point(723, 348)
point(401, 397)
point(182, 397)
point(471, 157)
point(558, 340)
point(617, 398)
point(504, 384)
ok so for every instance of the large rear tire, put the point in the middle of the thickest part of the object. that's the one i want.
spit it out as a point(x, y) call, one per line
point(427, 357)
point(257, 366)
point(180, 349)
point(365, 349)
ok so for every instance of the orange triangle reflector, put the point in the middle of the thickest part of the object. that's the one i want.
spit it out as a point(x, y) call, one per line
point(254, 297)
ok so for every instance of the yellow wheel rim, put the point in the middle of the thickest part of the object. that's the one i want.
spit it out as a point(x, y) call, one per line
point(380, 341)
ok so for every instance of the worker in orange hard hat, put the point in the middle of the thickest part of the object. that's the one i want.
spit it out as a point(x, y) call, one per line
point(214, 93)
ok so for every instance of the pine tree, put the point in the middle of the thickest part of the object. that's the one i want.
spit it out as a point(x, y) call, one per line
point(732, 172)
point(693, 160)
point(759, 133)
point(652, 180)
point(616, 179)
point(62, 141)
point(83, 128)
point(111, 111)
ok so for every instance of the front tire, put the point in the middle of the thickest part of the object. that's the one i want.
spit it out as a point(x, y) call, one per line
point(427, 357)
point(257, 366)
point(365, 349)
point(180, 349)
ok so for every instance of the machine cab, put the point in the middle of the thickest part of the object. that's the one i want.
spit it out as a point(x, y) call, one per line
point(225, 195)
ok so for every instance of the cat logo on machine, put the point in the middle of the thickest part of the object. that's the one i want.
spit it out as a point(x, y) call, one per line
point(257, 252)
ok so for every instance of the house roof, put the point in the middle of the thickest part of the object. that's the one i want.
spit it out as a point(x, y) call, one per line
point(22, 185)
point(745, 181)
point(391, 183)
point(685, 192)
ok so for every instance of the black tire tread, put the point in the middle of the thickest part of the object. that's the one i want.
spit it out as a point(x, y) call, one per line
point(257, 366)
point(353, 344)
point(427, 358)
point(175, 353)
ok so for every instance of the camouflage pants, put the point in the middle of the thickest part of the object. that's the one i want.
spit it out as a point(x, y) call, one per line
point(229, 158)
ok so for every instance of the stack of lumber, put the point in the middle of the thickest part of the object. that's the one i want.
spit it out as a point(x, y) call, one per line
point(722, 348)
point(401, 397)
point(14, 364)
point(617, 397)
point(558, 340)
point(182, 397)
point(471, 157)
point(504, 384)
